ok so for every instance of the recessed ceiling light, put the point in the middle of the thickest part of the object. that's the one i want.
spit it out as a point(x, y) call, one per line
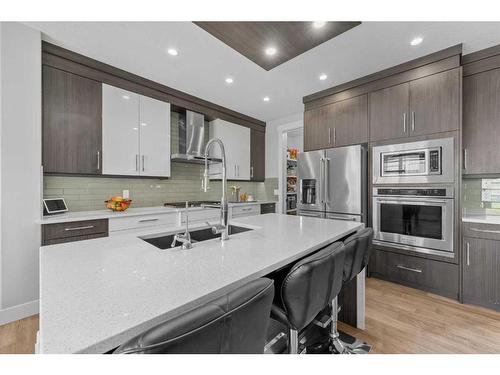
point(172, 52)
point(266, 98)
point(270, 51)
point(416, 41)
point(318, 24)
point(322, 77)
point(229, 80)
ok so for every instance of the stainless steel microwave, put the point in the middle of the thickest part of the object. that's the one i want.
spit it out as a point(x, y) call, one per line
point(429, 161)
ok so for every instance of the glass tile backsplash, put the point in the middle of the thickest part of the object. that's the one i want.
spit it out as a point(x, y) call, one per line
point(89, 193)
point(481, 194)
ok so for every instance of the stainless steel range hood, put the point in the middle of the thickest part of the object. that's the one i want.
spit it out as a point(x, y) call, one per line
point(191, 146)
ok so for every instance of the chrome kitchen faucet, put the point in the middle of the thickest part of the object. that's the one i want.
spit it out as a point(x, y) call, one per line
point(185, 238)
point(223, 227)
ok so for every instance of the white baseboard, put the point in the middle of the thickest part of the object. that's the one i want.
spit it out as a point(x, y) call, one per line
point(17, 312)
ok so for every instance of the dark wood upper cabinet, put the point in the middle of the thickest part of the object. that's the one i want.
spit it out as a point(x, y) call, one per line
point(72, 108)
point(350, 121)
point(481, 123)
point(481, 272)
point(317, 125)
point(338, 124)
point(257, 155)
point(435, 103)
point(424, 106)
point(389, 112)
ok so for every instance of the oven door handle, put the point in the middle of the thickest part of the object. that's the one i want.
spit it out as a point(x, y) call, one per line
point(396, 201)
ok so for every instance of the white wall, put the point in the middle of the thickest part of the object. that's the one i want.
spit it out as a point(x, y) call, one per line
point(20, 160)
point(272, 143)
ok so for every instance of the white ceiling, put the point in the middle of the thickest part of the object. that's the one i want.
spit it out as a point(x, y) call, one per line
point(204, 62)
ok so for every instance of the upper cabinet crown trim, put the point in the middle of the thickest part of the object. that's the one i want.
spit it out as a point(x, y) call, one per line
point(450, 56)
point(73, 62)
point(481, 61)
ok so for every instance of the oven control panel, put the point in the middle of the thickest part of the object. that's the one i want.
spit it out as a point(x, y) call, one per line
point(437, 191)
point(417, 192)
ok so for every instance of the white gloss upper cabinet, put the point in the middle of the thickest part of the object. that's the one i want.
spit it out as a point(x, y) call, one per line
point(236, 141)
point(154, 137)
point(120, 131)
point(135, 134)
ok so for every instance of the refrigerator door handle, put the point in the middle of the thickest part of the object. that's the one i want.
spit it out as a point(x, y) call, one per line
point(321, 179)
point(326, 176)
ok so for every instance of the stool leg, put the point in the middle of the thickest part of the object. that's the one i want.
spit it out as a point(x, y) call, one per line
point(357, 347)
point(293, 343)
point(334, 333)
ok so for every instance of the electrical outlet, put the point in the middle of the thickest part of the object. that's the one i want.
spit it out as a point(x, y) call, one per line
point(125, 194)
point(276, 192)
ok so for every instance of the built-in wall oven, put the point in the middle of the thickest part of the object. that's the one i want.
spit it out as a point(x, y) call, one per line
point(414, 218)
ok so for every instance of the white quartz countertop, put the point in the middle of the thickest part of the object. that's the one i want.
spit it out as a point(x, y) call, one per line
point(481, 218)
point(108, 214)
point(98, 293)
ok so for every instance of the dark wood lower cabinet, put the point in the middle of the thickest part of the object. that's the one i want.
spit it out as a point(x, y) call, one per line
point(430, 275)
point(74, 231)
point(481, 272)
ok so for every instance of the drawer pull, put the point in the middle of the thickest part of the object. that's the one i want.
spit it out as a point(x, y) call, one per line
point(246, 209)
point(148, 220)
point(485, 230)
point(409, 268)
point(79, 228)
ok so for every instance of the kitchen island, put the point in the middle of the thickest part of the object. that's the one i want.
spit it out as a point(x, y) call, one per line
point(96, 294)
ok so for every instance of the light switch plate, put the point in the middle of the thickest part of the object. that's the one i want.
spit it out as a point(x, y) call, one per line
point(276, 192)
point(125, 194)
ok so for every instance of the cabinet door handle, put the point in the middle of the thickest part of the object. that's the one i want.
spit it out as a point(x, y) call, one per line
point(468, 253)
point(404, 122)
point(412, 121)
point(78, 228)
point(251, 172)
point(147, 220)
point(238, 169)
point(329, 136)
point(98, 160)
point(137, 162)
point(417, 270)
point(143, 163)
point(334, 136)
point(484, 230)
point(465, 159)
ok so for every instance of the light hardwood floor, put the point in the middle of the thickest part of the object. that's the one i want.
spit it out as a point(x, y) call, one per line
point(398, 320)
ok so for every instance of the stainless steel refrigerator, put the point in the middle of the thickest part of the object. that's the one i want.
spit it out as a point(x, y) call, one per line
point(332, 183)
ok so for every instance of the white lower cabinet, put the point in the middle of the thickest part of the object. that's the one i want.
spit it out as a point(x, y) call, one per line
point(127, 224)
point(244, 210)
point(135, 134)
point(201, 216)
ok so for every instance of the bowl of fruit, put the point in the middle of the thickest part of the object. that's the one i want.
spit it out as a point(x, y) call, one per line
point(118, 203)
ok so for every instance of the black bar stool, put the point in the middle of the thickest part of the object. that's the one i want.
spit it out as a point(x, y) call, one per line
point(359, 247)
point(234, 323)
point(307, 289)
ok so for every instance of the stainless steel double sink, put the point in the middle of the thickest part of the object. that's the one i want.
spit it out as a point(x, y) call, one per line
point(199, 235)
